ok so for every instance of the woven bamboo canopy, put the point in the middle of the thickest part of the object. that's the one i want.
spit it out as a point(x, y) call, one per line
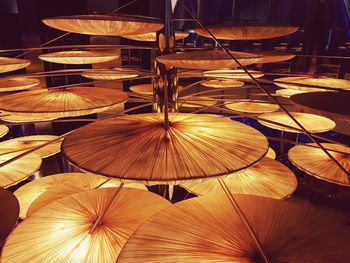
point(89, 226)
point(208, 229)
point(109, 74)
point(232, 74)
point(58, 103)
point(287, 93)
point(21, 144)
point(273, 56)
point(222, 83)
point(42, 191)
point(17, 83)
point(146, 89)
point(12, 64)
point(252, 106)
point(139, 148)
point(311, 122)
point(3, 130)
point(267, 178)
point(197, 102)
point(206, 60)
point(331, 104)
point(13, 118)
point(18, 170)
point(152, 36)
point(80, 57)
point(298, 83)
point(316, 163)
point(9, 211)
point(105, 25)
point(247, 32)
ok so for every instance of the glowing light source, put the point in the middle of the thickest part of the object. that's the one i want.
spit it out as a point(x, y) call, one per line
point(252, 106)
point(12, 64)
point(17, 83)
point(79, 57)
point(232, 74)
point(312, 84)
point(219, 84)
point(152, 36)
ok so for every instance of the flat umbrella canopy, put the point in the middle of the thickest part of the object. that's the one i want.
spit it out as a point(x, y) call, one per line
point(18, 170)
point(58, 103)
point(312, 84)
point(21, 144)
point(271, 153)
point(152, 36)
point(315, 162)
point(246, 32)
point(268, 178)
point(17, 83)
point(311, 122)
point(80, 57)
point(222, 83)
point(273, 56)
point(64, 231)
point(40, 192)
point(12, 64)
point(208, 229)
point(102, 74)
point(252, 106)
point(331, 104)
point(9, 212)
point(232, 74)
point(196, 102)
point(105, 25)
point(3, 130)
point(14, 118)
point(287, 93)
point(145, 89)
point(205, 60)
point(139, 148)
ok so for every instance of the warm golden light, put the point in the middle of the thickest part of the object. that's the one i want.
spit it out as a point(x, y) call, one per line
point(109, 74)
point(17, 83)
point(273, 56)
point(286, 93)
point(252, 106)
point(12, 64)
point(12, 118)
point(232, 74)
point(80, 57)
point(3, 130)
point(197, 102)
point(220, 84)
point(152, 36)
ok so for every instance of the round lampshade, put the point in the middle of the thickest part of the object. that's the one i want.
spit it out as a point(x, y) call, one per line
point(152, 36)
point(204, 60)
point(105, 25)
point(40, 192)
point(220, 84)
point(232, 74)
point(58, 103)
point(12, 64)
point(312, 123)
point(197, 102)
point(9, 211)
point(331, 104)
point(13, 118)
point(18, 170)
point(316, 84)
point(3, 130)
point(271, 153)
point(252, 106)
point(145, 89)
point(267, 178)
point(17, 83)
point(316, 163)
point(273, 56)
point(109, 74)
point(79, 57)
point(287, 93)
point(21, 144)
point(246, 32)
point(208, 229)
point(139, 148)
point(64, 229)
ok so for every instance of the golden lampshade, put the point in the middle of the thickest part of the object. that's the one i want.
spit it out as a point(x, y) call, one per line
point(252, 106)
point(40, 192)
point(105, 25)
point(90, 226)
point(17, 83)
point(3, 130)
point(109, 74)
point(145, 89)
point(58, 103)
point(13, 118)
point(271, 153)
point(215, 59)
point(22, 144)
point(222, 83)
point(79, 57)
point(152, 36)
point(312, 123)
point(312, 84)
point(232, 74)
point(273, 56)
point(287, 93)
point(197, 102)
point(316, 163)
point(267, 178)
point(9, 211)
point(247, 32)
point(139, 148)
point(319, 103)
point(18, 170)
point(12, 64)
point(208, 229)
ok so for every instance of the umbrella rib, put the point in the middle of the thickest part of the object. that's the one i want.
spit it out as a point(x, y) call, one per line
point(241, 215)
